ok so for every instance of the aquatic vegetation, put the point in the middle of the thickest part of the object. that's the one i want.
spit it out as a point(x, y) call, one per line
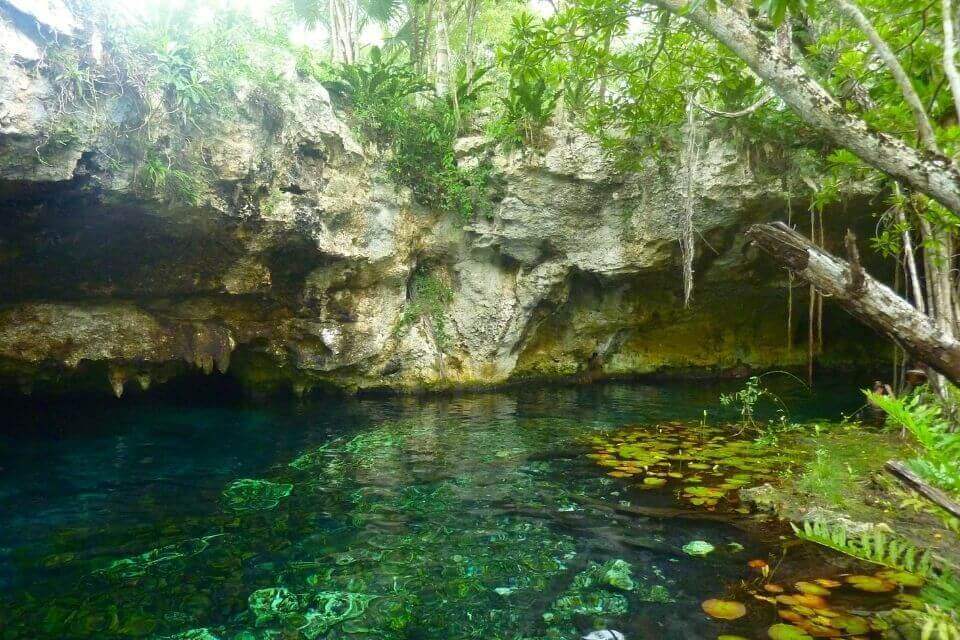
point(724, 609)
point(593, 593)
point(431, 529)
point(615, 573)
point(275, 603)
point(194, 634)
point(255, 495)
point(698, 548)
point(137, 566)
point(705, 463)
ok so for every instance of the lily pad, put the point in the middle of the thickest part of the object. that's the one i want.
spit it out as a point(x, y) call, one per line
point(871, 584)
point(787, 632)
point(812, 589)
point(903, 578)
point(724, 609)
point(828, 583)
point(654, 482)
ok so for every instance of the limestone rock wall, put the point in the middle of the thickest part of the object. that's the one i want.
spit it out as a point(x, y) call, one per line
point(296, 266)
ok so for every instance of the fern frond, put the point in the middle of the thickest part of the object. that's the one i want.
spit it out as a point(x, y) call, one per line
point(873, 546)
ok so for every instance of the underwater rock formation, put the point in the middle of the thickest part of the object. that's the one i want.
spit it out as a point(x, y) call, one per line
point(295, 261)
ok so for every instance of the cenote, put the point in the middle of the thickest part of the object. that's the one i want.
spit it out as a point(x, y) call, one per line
point(487, 515)
point(479, 319)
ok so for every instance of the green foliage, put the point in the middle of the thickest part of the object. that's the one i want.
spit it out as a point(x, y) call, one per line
point(157, 178)
point(421, 137)
point(429, 300)
point(531, 96)
point(939, 459)
point(377, 85)
point(746, 400)
point(873, 546)
point(469, 90)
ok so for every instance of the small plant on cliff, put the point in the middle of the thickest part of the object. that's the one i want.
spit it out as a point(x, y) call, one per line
point(419, 133)
point(429, 298)
point(158, 179)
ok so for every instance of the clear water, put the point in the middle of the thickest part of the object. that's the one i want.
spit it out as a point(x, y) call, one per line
point(469, 516)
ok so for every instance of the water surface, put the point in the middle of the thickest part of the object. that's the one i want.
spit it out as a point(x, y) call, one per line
point(443, 517)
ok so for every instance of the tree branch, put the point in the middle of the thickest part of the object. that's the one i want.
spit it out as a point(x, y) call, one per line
point(925, 171)
point(736, 114)
point(873, 303)
point(950, 53)
point(889, 58)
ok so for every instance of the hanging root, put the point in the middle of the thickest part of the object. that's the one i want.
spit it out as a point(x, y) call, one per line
point(686, 218)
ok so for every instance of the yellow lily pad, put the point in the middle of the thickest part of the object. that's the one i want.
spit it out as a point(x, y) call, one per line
point(787, 632)
point(903, 578)
point(724, 609)
point(810, 588)
point(871, 584)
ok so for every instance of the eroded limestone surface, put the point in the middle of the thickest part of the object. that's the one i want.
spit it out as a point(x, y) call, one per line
point(297, 264)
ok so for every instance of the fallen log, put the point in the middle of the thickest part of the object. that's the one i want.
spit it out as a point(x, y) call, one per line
point(913, 481)
point(867, 299)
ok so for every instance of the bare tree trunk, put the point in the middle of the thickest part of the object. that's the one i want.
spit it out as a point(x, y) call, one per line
point(341, 31)
point(470, 54)
point(443, 73)
point(864, 297)
point(911, 263)
point(685, 230)
point(926, 172)
point(950, 53)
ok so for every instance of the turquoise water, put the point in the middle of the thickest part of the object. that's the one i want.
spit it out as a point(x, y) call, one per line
point(470, 516)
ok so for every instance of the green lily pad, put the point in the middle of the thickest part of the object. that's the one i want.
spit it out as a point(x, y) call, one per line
point(903, 578)
point(787, 632)
point(871, 584)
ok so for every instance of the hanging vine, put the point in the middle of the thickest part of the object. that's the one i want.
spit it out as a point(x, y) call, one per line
point(692, 155)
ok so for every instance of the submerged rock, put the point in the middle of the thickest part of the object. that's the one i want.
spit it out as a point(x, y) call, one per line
point(604, 634)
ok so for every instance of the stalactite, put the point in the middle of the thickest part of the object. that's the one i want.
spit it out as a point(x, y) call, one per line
point(686, 218)
point(117, 377)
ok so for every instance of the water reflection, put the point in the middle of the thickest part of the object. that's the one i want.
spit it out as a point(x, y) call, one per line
point(449, 517)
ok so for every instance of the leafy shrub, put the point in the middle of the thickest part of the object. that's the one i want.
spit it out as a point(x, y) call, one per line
point(528, 107)
point(378, 85)
point(157, 178)
point(939, 459)
point(421, 138)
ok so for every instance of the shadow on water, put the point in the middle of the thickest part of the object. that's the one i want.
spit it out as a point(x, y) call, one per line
point(385, 517)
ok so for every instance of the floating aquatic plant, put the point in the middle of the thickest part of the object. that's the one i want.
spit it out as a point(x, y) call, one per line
point(724, 609)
